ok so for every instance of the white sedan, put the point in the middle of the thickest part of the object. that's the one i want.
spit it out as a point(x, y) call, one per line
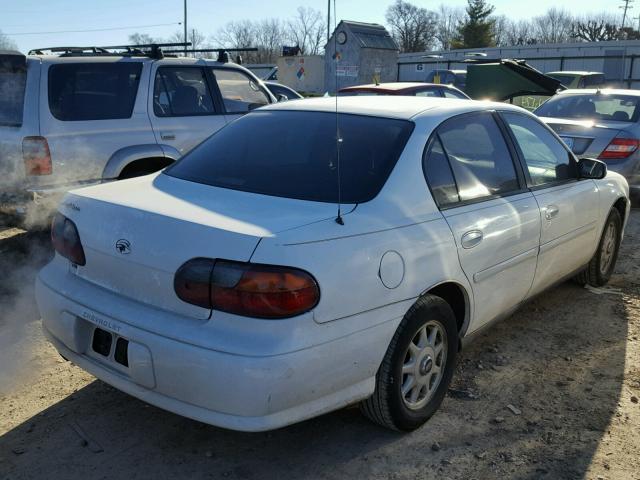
point(299, 261)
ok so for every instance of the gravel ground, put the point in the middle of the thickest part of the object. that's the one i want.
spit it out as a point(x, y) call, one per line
point(550, 393)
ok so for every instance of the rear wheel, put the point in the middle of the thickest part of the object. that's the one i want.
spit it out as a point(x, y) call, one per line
point(417, 368)
point(600, 268)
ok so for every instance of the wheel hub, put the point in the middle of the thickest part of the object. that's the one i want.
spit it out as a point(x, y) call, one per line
point(426, 364)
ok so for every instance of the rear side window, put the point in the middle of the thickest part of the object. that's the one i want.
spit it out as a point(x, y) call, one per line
point(480, 160)
point(546, 158)
point(93, 91)
point(239, 92)
point(439, 175)
point(452, 94)
point(293, 154)
point(181, 92)
point(12, 85)
point(427, 93)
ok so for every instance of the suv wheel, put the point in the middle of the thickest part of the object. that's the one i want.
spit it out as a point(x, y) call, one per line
point(417, 368)
point(601, 266)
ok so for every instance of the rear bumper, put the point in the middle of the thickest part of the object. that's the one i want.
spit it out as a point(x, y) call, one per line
point(235, 391)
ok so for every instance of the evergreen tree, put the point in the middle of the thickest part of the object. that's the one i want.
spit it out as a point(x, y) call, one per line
point(476, 31)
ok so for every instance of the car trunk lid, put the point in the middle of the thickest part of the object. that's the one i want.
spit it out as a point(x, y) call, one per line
point(587, 138)
point(137, 233)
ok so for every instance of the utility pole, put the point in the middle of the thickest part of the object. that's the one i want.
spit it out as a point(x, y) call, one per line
point(328, 20)
point(625, 7)
point(185, 27)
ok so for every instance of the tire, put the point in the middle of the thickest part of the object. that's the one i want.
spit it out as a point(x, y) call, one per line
point(388, 406)
point(600, 267)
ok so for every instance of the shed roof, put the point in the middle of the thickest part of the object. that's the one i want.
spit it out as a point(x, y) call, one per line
point(370, 35)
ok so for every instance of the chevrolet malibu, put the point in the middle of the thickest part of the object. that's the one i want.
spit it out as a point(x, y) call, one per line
point(257, 283)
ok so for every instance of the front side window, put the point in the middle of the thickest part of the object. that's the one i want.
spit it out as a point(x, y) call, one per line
point(546, 158)
point(592, 106)
point(180, 92)
point(93, 91)
point(293, 154)
point(452, 94)
point(240, 93)
point(427, 93)
point(480, 160)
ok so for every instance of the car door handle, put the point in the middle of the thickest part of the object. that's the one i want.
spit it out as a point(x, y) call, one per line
point(167, 136)
point(471, 238)
point(551, 212)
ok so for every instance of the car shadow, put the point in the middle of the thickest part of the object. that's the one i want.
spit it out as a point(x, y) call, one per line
point(559, 362)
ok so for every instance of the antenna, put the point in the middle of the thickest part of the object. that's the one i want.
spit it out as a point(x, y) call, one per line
point(339, 219)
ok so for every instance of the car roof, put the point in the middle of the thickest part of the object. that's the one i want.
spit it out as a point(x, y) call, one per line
point(404, 108)
point(593, 91)
point(392, 86)
point(573, 72)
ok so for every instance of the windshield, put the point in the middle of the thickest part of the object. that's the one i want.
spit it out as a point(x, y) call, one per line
point(596, 106)
point(293, 154)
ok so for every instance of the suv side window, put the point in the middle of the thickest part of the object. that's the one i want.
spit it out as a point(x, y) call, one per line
point(239, 92)
point(548, 161)
point(479, 157)
point(181, 91)
point(93, 91)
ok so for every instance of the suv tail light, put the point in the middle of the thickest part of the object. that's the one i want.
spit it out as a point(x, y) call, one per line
point(247, 289)
point(620, 148)
point(65, 239)
point(36, 156)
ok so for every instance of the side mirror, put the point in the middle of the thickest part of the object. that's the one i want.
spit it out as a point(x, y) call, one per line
point(282, 97)
point(591, 168)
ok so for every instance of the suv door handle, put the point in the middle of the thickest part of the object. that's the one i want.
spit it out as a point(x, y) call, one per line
point(551, 211)
point(471, 238)
point(167, 136)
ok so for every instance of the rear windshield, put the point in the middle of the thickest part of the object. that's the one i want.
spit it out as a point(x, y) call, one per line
point(293, 154)
point(93, 91)
point(597, 106)
point(12, 85)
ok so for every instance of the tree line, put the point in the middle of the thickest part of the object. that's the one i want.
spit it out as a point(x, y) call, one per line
point(414, 28)
point(417, 29)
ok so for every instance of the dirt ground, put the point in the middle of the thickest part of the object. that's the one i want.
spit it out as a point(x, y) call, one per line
point(568, 363)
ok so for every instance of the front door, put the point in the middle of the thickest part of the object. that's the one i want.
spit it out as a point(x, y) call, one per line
point(494, 219)
point(568, 206)
point(182, 109)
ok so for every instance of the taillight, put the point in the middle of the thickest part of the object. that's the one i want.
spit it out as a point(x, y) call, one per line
point(65, 239)
point(247, 289)
point(620, 148)
point(36, 156)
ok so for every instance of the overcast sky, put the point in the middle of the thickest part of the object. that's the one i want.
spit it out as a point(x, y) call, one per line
point(28, 16)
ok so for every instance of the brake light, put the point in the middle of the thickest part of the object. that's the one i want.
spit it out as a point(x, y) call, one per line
point(247, 289)
point(65, 239)
point(620, 148)
point(36, 156)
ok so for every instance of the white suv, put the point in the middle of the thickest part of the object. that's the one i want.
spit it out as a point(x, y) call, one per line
point(82, 116)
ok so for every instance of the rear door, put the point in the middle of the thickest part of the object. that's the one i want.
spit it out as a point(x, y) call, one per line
point(183, 108)
point(568, 206)
point(494, 219)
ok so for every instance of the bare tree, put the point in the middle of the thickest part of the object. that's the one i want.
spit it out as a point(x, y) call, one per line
point(306, 30)
point(142, 39)
point(412, 27)
point(447, 25)
point(594, 30)
point(6, 43)
point(236, 34)
point(553, 27)
point(196, 37)
point(270, 37)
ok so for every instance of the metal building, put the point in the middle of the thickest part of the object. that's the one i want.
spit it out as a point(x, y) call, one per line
point(359, 53)
point(616, 59)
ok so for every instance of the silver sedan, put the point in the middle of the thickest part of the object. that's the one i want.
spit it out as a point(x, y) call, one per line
point(601, 124)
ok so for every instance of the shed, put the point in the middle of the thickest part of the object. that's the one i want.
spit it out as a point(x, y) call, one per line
point(359, 53)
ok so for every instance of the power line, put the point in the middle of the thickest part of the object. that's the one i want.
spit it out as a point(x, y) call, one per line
point(93, 29)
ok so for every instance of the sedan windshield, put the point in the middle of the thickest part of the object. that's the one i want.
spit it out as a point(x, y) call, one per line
point(595, 106)
point(293, 154)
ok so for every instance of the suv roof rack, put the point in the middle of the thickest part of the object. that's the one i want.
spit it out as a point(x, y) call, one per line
point(151, 50)
point(223, 53)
